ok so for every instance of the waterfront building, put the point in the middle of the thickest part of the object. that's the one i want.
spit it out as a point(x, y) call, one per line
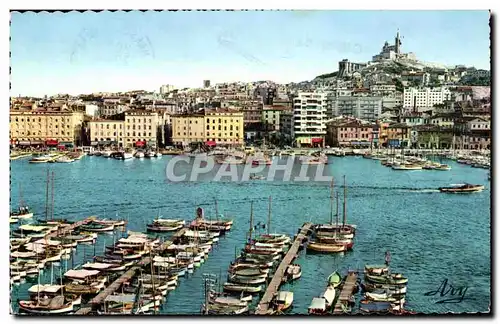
point(309, 118)
point(442, 120)
point(224, 126)
point(433, 137)
point(187, 129)
point(105, 132)
point(349, 132)
point(397, 135)
point(362, 107)
point(45, 127)
point(426, 98)
point(140, 128)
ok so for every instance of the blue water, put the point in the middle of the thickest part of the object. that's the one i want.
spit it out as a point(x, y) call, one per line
point(431, 236)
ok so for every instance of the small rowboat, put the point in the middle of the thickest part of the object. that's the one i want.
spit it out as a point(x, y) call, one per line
point(241, 288)
point(326, 248)
point(334, 279)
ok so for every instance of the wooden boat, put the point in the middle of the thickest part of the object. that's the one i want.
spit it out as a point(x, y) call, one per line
point(283, 301)
point(241, 288)
point(317, 307)
point(95, 227)
point(466, 188)
point(55, 305)
point(21, 213)
point(241, 297)
point(407, 167)
point(216, 309)
point(250, 272)
point(349, 243)
point(326, 248)
point(376, 270)
point(396, 279)
point(245, 280)
point(384, 297)
point(334, 279)
point(381, 289)
point(329, 296)
point(293, 272)
point(443, 167)
point(40, 158)
point(119, 222)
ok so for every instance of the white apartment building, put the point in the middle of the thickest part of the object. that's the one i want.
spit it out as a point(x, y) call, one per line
point(309, 118)
point(366, 108)
point(424, 97)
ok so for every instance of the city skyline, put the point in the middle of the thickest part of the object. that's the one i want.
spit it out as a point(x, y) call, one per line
point(110, 52)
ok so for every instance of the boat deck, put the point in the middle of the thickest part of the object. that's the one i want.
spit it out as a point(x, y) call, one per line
point(276, 281)
point(346, 292)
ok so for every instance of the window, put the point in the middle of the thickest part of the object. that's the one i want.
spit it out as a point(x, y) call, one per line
point(150, 127)
point(190, 121)
point(114, 133)
point(213, 127)
point(220, 127)
point(133, 133)
point(128, 134)
point(149, 134)
point(230, 133)
point(114, 126)
point(220, 121)
point(120, 133)
point(208, 120)
point(178, 134)
point(236, 127)
point(231, 127)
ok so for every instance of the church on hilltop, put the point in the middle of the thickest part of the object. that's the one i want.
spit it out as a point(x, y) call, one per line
point(393, 52)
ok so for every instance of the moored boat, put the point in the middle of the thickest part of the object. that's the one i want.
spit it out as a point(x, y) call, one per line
point(465, 188)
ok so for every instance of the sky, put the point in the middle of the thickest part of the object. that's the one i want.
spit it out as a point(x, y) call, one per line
point(89, 52)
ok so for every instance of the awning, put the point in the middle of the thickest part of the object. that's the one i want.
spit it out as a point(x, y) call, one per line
point(360, 143)
point(94, 143)
point(211, 143)
point(36, 142)
point(52, 142)
point(24, 143)
point(316, 140)
point(104, 142)
point(140, 143)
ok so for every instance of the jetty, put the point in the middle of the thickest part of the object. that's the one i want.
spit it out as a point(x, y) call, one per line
point(346, 292)
point(276, 281)
point(71, 227)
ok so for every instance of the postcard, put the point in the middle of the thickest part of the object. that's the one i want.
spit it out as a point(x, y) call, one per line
point(251, 163)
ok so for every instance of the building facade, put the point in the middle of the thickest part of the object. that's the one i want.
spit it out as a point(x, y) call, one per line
point(224, 127)
point(349, 133)
point(42, 127)
point(309, 118)
point(286, 123)
point(106, 132)
point(187, 129)
point(362, 107)
point(140, 128)
point(424, 97)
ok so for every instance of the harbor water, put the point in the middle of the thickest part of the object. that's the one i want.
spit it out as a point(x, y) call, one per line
point(432, 236)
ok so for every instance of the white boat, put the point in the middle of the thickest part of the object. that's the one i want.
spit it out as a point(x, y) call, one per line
point(150, 154)
point(107, 153)
point(407, 167)
point(40, 159)
point(127, 155)
point(139, 155)
point(64, 159)
point(158, 154)
point(329, 296)
point(56, 305)
point(13, 220)
point(284, 300)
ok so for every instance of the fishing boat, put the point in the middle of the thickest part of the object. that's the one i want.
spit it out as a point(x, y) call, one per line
point(249, 271)
point(334, 279)
point(108, 222)
point(241, 288)
point(394, 278)
point(329, 296)
point(56, 305)
point(443, 167)
point(40, 158)
point(326, 248)
point(96, 227)
point(407, 167)
point(283, 301)
point(376, 269)
point(64, 159)
point(465, 188)
point(381, 288)
point(317, 307)
point(246, 280)
point(384, 297)
point(293, 272)
point(21, 213)
point(165, 225)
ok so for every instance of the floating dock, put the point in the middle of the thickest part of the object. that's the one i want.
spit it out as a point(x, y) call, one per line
point(346, 292)
point(277, 280)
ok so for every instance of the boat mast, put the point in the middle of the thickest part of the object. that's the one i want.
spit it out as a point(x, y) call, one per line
point(331, 202)
point(47, 197)
point(345, 198)
point(251, 223)
point(52, 204)
point(337, 215)
point(153, 283)
point(269, 218)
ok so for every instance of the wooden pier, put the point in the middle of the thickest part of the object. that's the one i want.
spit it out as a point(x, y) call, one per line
point(70, 228)
point(346, 292)
point(277, 280)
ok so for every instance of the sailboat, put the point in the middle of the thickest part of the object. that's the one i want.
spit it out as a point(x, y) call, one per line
point(23, 211)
